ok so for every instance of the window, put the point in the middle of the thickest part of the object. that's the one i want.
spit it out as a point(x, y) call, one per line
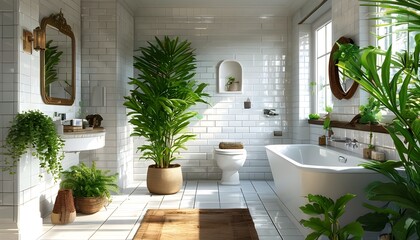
point(323, 44)
point(395, 35)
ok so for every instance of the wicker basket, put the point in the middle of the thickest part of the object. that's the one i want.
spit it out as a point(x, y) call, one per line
point(89, 205)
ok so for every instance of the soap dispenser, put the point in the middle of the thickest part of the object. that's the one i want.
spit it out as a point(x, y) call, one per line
point(247, 104)
point(59, 126)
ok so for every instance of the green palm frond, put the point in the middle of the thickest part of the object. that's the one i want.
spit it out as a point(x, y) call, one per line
point(395, 83)
point(52, 59)
point(397, 12)
point(163, 93)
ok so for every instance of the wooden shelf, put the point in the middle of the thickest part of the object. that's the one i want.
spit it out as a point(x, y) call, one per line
point(357, 126)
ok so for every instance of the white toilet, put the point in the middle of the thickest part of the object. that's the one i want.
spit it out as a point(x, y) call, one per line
point(230, 161)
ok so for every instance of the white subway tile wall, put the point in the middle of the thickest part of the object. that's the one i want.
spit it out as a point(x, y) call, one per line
point(351, 20)
point(107, 60)
point(8, 102)
point(261, 45)
point(301, 93)
point(382, 141)
point(22, 195)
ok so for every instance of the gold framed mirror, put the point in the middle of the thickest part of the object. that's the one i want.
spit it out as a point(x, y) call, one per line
point(341, 87)
point(58, 61)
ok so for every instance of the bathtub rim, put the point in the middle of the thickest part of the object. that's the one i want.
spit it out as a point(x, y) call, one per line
point(319, 168)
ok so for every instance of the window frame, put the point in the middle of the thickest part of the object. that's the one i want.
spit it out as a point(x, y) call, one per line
point(321, 22)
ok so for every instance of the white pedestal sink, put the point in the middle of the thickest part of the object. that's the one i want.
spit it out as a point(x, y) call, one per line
point(83, 141)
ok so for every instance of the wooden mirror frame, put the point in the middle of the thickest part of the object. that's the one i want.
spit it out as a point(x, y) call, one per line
point(59, 22)
point(334, 75)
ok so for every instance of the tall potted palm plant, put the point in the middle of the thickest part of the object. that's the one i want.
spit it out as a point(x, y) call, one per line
point(395, 83)
point(159, 108)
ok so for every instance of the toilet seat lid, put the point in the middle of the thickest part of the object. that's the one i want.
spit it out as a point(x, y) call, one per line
point(229, 151)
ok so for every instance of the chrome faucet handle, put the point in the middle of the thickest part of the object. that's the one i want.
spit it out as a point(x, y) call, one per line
point(355, 143)
point(352, 143)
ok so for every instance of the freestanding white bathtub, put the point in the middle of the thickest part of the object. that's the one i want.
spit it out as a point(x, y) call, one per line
point(300, 169)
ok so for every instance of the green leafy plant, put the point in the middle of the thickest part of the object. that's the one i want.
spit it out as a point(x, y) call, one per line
point(370, 113)
point(394, 82)
point(344, 53)
point(89, 181)
point(314, 116)
point(329, 225)
point(327, 118)
point(36, 131)
point(163, 93)
point(52, 59)
point(312, 86)
point(371, 145)
point(230, 80)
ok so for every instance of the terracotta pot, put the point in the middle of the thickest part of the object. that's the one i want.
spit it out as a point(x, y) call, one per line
point(89, 205)
point(367, 153)
point(322, 141)
point(164, 180)
point(64, 211)
point(233, 87)
point(385, 236)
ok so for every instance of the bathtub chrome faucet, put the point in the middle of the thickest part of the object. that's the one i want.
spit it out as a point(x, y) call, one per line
point(348, 141)
point(352, 143)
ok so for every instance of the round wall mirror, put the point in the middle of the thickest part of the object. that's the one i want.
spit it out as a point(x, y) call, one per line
point(58, 61)
point(341, 86)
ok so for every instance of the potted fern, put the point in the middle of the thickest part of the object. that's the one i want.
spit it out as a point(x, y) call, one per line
point(91, 187)
point(159, 108)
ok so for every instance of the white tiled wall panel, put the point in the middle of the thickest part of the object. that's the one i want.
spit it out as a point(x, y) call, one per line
point(107, 53)
point(24, 197)
point(261, 45)
point(382, 141)
point(8, 104)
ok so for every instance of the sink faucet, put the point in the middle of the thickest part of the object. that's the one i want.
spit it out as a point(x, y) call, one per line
point(352, 143)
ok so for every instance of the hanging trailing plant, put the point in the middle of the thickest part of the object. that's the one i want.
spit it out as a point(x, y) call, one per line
point(34, 130)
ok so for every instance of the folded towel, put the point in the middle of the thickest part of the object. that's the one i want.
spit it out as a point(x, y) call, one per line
point(231, 145)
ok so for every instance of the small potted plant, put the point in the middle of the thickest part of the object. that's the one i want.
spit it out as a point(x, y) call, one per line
point(370, 112)
point(232, 84)
point(327, 121)
point(91, 187)
point(313, 116)
point(367, 152)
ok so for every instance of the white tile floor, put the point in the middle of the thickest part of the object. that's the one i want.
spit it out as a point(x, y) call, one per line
point(121, 219)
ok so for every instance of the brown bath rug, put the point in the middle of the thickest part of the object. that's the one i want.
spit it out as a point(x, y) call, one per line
point(197, 224)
